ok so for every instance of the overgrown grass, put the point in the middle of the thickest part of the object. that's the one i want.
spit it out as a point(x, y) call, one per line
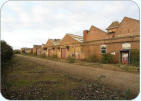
point(129, 68)
point(36, 81)
point(71, 59)
point(135, 57)
point(89, 62)
point(107, 58)
point(92, 58)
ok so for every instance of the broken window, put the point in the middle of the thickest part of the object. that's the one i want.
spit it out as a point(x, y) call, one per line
point(103, 49)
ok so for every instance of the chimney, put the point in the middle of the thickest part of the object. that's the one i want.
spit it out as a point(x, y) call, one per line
point(85, 33)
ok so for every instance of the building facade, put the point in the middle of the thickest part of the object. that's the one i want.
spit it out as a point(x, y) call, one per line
point(35, 48)
point(53, 48)
point(70, 46)
point(119, 40)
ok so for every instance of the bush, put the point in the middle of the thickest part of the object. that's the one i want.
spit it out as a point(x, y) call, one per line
point(17, 52)
point(54, 56)
point(107, 58)
point(43, 56)
point(134, 57)
point(71, 59)
point(92, 58)
point(6, 52)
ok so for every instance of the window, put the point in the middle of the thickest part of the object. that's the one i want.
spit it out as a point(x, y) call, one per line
point(103, 49)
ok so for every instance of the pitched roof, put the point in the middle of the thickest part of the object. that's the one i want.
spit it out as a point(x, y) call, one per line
point(114, 24)
point(76, 37)
point(130, 19)
point(93, 28)
point(37, 46)
point(55, 41)
point(128, 26)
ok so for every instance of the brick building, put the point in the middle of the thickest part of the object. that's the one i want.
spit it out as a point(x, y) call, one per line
point(70, 46)
point(42, 50)
point(35, 48)
point(27, 50)
point(52, 47)
point(119, 39)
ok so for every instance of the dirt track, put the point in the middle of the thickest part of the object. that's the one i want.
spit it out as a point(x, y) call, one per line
point(120, 80)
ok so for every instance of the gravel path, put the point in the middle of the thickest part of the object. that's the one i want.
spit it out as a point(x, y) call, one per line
point(117, 79)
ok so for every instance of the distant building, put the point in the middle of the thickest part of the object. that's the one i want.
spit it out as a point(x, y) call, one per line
point(118, 40)
point(35, 48)
point(41, 50)
point(70, 46)
point(52, 47)
point(26, 50)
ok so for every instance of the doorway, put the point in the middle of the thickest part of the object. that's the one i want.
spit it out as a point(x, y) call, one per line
point(125, 56)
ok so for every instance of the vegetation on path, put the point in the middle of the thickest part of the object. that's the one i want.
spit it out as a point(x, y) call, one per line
point(30, 80)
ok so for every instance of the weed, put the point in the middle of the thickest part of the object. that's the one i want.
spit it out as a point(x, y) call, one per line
point(107, 58)
point(135, 59)
point(71, 59)
point(126, 94)
point(101, 77)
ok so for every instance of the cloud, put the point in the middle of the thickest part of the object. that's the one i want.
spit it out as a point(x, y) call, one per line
point(33, 22)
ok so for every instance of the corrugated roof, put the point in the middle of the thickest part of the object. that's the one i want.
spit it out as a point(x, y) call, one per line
point(55, 41)
point(77, 37)
point(113, 25)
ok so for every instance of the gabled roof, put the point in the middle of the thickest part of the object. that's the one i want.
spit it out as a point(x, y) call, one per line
point(37, 46)
point(55, 41)
point(130, 19)
point(95, 34)
point(76, 37)
point(43, 45)
point(94, 28)
point(128, 26)
point(114, 24)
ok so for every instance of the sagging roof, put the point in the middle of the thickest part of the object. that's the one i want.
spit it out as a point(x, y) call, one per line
point(114, 24)
point(76, 37)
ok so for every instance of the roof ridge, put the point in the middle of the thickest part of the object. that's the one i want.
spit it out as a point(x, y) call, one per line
point(97, 28)
point(75, 35)
point(130, 18)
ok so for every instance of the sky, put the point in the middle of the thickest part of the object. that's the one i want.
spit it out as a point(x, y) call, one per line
point(25, 23)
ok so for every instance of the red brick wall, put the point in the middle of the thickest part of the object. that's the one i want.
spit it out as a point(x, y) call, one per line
point(68, 40)
point(111, 46)
point(49, 43)
point(128, 25)
point(95, 34)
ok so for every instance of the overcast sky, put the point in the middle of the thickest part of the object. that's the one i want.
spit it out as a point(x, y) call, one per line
point(26, 23)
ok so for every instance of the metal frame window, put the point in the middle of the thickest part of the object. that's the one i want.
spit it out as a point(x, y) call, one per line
point(103, 49)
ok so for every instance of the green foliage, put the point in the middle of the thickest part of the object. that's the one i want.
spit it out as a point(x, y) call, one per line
point(71, 59)
point(92, 58)
point(54, 56)
point(135, 59)
point(6, 52)
point(129, 68)
point(17, 52)
point(127, 94)
point(43, 56)
point(101, 77)
point(107, 58)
